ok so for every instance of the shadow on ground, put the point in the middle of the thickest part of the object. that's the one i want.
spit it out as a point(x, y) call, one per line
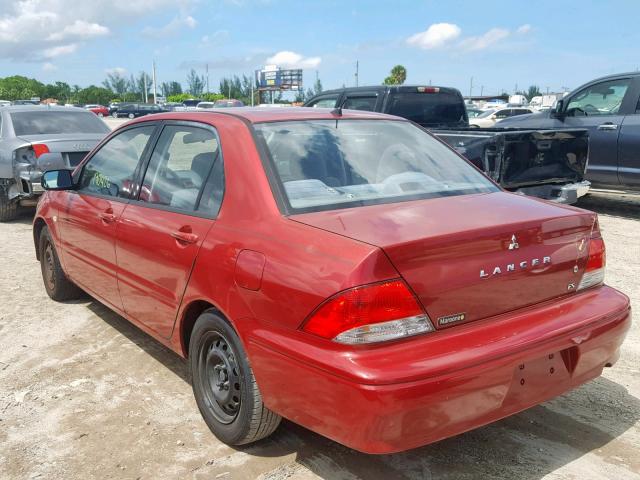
point(526, 446)
point(624, 205)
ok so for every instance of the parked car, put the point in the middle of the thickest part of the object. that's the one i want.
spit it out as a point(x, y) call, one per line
point(174, 107)
point(227, 103)
point(99, 110)
point(609, 109)
point(489, 118)
point(549, 165)
point(113, 108)
point(191, 103)
point(204, 106)
point(134, 110)
point(4, 103)
point(37, 138)
point(356, 276)
point(26, 102)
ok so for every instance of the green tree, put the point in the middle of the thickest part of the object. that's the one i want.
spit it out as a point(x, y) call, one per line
point(533, 91)
point(196, 83)
point(18, 87)
point(397, 77)
point(93, 94)
point(116, 83)
point(170, 88)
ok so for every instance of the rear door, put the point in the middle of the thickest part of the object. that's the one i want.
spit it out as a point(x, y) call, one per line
point(160, 232)
point(600, 107)
point(88, 218)
point(367, 101)
point(325, 101)
point(629, 145)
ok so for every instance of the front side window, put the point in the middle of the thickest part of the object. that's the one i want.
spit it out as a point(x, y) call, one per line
point(325, 102)
point(111, 170)
point(600, 99)
point(328, 164)
point(179, 170)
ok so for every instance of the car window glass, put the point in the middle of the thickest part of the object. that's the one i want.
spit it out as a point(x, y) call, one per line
point(179, 168)
point(111, 170)
point(503, 113)
point(360, 103)
point(54, 122)
point(600, 99)
point(324, 102)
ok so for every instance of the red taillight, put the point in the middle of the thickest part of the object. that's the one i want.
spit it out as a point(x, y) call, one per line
point(39, 149)
point(594, 271)
point(429, 89)
point(370, 313)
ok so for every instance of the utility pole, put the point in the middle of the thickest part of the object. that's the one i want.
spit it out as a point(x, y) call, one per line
point(471, 88)
point(253, 79)
point(155, 87)
point(357, 72)
point(144, 81)
point(481, 90)
point(547, 90)
point(207, 70)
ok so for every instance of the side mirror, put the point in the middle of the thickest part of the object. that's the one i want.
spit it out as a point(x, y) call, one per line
point(57, 180)
point(558, 110)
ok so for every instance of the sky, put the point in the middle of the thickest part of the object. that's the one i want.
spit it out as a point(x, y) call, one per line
point(479, 46)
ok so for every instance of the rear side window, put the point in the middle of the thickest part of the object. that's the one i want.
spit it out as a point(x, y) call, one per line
point(428, 109)
point(49, 122)
point(179, 172)
point(324, 102)
point(361, 103)
point(111, 170)
point(328, 164)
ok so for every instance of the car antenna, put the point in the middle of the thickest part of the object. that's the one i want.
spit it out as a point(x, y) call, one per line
point(338, 112)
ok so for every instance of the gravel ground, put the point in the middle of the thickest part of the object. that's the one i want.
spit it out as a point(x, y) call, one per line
point(84, 394)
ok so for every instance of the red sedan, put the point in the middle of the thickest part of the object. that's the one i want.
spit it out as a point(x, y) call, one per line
point(344, 270)
point(99, 110)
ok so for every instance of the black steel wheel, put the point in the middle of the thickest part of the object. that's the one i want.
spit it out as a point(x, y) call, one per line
point(223, 383)
point(56, 283)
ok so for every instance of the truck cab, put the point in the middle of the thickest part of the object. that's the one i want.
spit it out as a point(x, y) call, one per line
point(428, 106)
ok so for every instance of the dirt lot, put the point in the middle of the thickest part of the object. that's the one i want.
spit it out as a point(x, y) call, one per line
point(83, 394)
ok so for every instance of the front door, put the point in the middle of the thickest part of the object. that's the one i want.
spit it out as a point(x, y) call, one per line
point(88, 219)
point(599, 108)
point(159, 234)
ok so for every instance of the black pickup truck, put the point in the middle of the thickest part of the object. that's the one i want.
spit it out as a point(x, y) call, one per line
point(547, 163)
point(609, 108)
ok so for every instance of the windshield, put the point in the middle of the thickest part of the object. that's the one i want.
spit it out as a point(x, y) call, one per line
point(55, 122)
point(328, 164)
point(486, 114)
point(428, 109)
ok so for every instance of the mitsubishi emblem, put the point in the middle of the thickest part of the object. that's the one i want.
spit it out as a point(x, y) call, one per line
point(514, 243)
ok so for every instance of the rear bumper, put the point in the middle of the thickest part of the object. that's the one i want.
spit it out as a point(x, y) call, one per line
point(404, 395)
point(568, 193)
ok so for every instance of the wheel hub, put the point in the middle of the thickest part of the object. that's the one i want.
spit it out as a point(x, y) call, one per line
point(221, 378)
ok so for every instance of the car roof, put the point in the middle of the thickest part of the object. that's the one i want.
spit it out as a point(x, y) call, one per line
point(259, 115)
point(41, 108)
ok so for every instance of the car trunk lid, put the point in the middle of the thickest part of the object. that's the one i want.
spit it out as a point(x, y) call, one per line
point(473, 256)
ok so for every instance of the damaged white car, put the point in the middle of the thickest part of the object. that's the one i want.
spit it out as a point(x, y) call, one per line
point(34, 139)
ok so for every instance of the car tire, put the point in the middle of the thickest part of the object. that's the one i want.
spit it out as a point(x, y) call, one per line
point(131, 115)
point(224, 386)
point(114, 114)
point(8, 207)
point(56, 283)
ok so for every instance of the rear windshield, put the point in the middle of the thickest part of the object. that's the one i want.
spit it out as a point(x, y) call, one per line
point(55, 122)
point(428, 109)
point(329, 164)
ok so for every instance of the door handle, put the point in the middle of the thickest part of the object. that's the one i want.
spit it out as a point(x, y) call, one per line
point(608, 126)
point(107, 216)
point(185, 237)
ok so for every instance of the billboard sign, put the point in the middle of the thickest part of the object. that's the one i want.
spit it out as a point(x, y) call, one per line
point(274, 78)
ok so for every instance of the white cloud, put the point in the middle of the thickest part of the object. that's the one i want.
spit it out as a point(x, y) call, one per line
point(116, 71)
point(523, 29)
point(436, 36)
point(288, 59)
point(49, 67)
point(174, 27)
point(59, 50)
point(485, 40)
point(29, 28)
point(79, 30)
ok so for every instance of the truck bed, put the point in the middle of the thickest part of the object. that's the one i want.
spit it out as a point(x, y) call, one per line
point(550, 164)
